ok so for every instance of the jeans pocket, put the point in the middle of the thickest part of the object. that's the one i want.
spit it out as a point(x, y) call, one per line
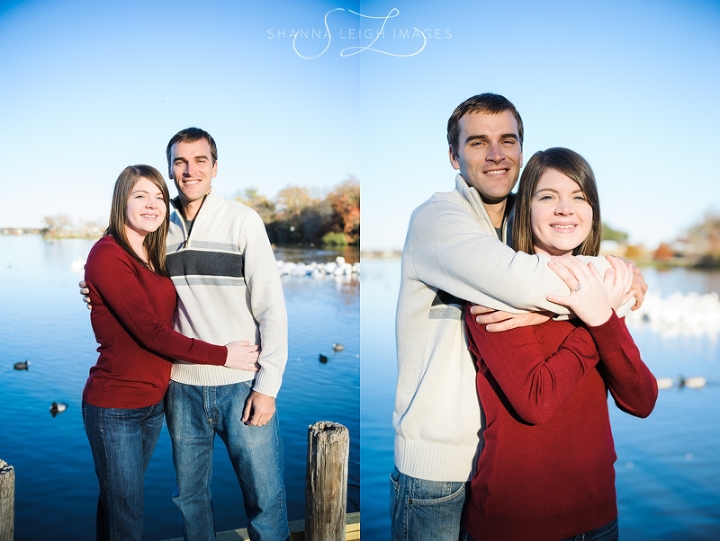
point(448, 496)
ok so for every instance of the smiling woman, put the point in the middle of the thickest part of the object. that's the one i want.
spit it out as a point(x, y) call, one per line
point(544, 388)
point(557, 196)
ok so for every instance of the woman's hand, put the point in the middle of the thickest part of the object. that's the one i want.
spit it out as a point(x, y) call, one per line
point(590, 293)
point(242, 356)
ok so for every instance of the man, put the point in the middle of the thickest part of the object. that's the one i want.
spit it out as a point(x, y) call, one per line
point(224, 271)
point(454, 253)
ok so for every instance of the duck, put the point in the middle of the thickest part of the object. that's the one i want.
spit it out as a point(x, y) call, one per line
point(338, 347)
point(694, 382)
point(322, 358)
point(57, 407)
point(22, 365)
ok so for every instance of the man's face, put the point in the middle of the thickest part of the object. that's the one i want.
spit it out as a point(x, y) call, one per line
point(192, 169)
point(489, 156)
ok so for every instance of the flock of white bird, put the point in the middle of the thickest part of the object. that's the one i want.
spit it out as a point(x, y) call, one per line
point(692, 314)
point(339, 267)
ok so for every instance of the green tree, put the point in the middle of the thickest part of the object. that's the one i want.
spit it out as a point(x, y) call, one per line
point(608, 233)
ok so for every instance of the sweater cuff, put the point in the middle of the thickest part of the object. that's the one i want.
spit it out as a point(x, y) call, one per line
point(607, 336)
point(267, 382)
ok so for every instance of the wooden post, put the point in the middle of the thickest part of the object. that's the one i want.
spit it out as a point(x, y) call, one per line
point(326, 481)
point(7, 501)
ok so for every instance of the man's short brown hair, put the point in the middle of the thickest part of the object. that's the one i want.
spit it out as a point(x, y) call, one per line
point(488, 103)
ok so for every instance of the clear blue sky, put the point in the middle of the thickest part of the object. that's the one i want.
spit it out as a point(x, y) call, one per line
point(89, 87)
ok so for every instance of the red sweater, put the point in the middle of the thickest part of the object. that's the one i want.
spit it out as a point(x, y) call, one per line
point(546, 471)
point(132, 315)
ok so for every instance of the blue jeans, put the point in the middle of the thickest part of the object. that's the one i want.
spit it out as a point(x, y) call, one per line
point(607, 532)
point(423, 510)
point(122, 442)
point(194, 415)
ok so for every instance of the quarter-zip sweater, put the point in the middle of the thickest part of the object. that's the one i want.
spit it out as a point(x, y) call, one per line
point(228, 289)
point(132, 318)
point(452, 254)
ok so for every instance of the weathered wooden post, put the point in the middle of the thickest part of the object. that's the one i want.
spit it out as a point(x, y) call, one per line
point(7, 501)
point(326, 481)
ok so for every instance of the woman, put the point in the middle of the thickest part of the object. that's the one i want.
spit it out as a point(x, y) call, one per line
point(133, 303)
point(546, 470)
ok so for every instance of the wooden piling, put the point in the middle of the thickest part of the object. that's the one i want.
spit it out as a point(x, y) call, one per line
point(326, 481)
point(7, 501)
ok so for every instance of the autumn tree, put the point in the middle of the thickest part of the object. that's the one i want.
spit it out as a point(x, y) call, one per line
point(346, 206)
point(261, 204)
point(297, 215)
point(55, 224)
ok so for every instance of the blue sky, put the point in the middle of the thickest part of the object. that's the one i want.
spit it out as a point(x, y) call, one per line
point(90, 87)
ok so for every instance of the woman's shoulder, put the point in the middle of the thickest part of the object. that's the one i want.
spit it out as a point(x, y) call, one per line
point(104, 250)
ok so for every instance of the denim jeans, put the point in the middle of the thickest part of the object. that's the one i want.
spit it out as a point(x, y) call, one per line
point(194, 415)
point(122, 442)
point(423, 510)
point(607, 532)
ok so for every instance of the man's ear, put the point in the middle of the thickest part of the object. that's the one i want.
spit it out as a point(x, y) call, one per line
point(453, 157)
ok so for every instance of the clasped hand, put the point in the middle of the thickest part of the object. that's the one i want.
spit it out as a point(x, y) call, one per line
point(592, 296)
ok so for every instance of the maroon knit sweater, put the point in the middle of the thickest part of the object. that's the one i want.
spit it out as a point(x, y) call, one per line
point(546, 471)
point(132, 314)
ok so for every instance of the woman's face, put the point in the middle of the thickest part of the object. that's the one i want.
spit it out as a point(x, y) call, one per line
point(146, 207)
point(560, 215)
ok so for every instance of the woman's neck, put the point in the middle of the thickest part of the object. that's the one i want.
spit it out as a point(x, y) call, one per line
point(136, 240)
point(540, 250)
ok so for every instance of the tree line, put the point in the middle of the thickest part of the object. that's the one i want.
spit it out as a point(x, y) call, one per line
point(297, 215)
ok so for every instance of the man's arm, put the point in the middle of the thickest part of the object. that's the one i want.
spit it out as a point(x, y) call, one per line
point(448, 250)
point(268, 308)
point(498, 320)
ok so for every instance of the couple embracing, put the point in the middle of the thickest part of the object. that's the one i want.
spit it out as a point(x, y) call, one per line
point(167, 290)
point(510, 336)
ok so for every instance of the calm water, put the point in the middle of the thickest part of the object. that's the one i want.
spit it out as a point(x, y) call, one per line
point(668, 467)
point(43, 319)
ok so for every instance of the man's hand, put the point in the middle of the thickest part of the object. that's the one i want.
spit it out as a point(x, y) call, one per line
point(259, 409)
point(639, 287)
point(85, 292)
point(498, 321)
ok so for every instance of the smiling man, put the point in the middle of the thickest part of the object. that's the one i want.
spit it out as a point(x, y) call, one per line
point(224, 270)
point(455, 252)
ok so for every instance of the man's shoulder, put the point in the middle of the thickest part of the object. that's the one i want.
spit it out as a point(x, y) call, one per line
point(439, 204)
point(233, 207)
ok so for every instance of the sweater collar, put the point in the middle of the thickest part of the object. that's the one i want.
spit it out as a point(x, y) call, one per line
point(474, 202)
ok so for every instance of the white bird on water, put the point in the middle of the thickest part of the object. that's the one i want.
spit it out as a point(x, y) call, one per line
point(694, 382)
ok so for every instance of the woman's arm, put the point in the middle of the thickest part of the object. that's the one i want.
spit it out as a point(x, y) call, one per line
point(632, 385)
point(535, 384)
point(113, 282)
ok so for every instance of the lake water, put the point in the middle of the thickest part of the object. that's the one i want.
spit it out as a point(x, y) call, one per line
point(668, 467)
point(43, 319)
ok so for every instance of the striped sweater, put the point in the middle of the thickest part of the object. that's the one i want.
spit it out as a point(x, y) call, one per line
point(228, 288)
